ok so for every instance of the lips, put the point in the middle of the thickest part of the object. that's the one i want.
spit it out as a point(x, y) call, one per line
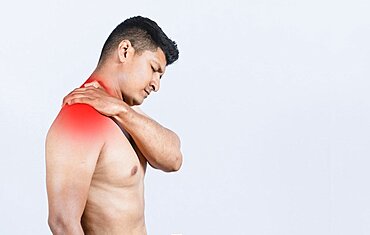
point(148, 93)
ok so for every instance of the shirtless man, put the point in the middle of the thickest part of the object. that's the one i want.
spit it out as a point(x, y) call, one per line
point(98, 147)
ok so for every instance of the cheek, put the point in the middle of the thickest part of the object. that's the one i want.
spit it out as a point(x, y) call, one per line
point(140, 75)
point(143, 77)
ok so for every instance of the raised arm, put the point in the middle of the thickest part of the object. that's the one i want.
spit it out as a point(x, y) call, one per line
point(73, 145)
point(159, 145)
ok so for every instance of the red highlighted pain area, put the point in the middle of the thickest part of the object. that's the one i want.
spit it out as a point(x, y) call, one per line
point(81, 120)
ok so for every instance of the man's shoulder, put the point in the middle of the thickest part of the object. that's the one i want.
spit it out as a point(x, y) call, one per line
point(80, 120)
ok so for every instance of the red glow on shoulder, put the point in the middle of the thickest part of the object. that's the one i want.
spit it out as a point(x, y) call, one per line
point(82, 120)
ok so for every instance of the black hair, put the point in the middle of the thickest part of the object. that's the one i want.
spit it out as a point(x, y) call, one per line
point(144, 34)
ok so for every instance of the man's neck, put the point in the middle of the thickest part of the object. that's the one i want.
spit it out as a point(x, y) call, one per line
point(107, 81)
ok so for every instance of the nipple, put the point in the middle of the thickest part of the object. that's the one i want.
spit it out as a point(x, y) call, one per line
point(134, 170)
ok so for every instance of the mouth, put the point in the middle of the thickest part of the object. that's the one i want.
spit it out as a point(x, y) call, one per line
point(147, 92)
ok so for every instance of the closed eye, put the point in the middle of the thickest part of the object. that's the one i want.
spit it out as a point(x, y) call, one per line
point(156, 71)
point(159, 70)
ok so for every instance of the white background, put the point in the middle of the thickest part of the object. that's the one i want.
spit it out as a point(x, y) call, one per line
point(270, 99)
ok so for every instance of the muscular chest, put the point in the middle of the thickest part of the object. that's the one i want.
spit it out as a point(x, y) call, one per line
point(119, 164)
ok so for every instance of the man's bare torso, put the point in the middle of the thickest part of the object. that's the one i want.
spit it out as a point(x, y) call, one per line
point(115, 203)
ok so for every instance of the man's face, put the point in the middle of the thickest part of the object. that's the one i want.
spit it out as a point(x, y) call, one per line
point(142, 76)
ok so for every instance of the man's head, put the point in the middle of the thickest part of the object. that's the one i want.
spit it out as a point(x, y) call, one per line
point(141, 51)
point(144, 34)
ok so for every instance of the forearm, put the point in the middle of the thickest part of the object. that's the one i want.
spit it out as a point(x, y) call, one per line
point(159, 145)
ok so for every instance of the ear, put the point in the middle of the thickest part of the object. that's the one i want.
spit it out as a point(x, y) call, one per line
point(125, 50)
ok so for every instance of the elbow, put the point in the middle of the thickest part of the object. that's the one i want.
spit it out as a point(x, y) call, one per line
point(58, 225)
point(176, 163)
point(178, 157)
point(169, 161)
point(176, 160)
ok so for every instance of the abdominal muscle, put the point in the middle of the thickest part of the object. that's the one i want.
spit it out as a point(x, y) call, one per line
point(115, 204)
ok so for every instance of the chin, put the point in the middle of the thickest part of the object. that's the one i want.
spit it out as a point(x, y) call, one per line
point(137, 102)
point(131, 101)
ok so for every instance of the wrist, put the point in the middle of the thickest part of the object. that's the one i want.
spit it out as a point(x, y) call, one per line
point(121, 108)
point(123, 111)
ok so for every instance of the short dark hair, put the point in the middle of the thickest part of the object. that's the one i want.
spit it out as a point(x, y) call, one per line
point(144, 34)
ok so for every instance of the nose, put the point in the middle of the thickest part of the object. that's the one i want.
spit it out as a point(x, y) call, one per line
point(155, 83)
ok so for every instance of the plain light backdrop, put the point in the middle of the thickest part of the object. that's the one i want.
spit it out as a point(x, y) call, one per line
point(270, 99)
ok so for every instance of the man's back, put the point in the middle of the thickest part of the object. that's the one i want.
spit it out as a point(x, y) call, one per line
point(95, 172)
